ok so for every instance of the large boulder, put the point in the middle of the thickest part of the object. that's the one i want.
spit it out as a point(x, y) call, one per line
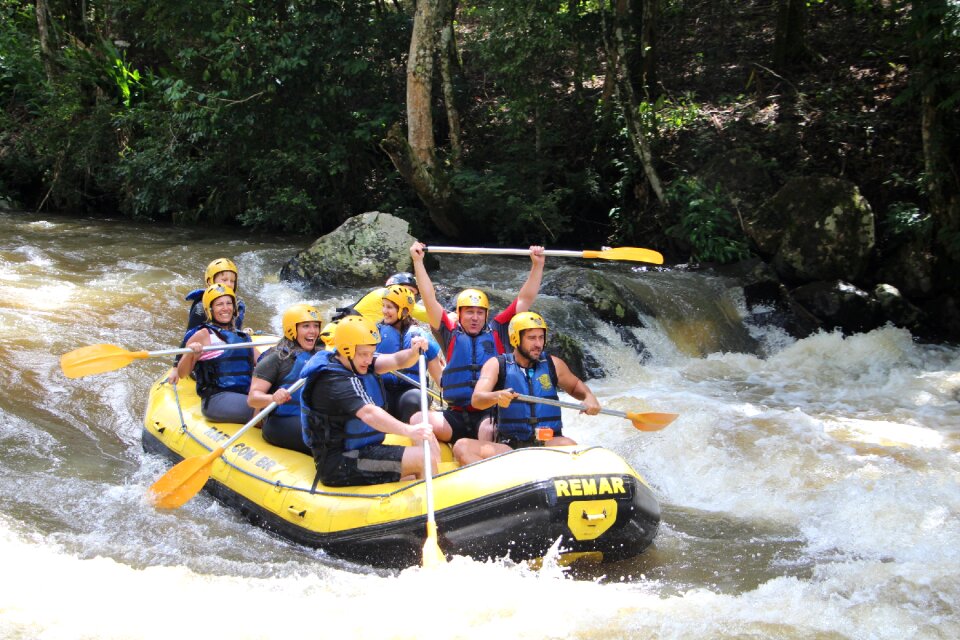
point(840, 305)
point(768, 300)
point(598, 292)
point(900, 311)
point(815, 229)
point(912, 268)
point(362, 251)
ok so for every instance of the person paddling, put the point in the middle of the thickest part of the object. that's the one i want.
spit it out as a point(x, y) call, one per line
point(343, 416)
point(469, 341)
point(531, 371)
point(223, 377)
point(279, 368)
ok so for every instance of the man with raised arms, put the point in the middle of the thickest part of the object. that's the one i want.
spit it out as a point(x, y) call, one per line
point(468, 341)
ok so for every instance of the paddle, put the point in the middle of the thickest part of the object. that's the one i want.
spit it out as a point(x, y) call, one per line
point(407, 378)
point(643, 421)
point(183, 481)
point(650, 421)
point(630, 254)
point(432, 555)
point(100, 358)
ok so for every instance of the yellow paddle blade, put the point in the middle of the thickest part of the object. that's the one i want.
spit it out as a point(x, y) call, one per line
point(651, 421)
point(432, 555)
point(630, 254)
point(175, 488)
point(97, 358)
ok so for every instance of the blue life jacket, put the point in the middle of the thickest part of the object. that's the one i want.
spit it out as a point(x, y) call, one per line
point(232, 370)
point(392, 341)
point(292, 406)
point(520, 419)
point(465, 357)
point(347, 431)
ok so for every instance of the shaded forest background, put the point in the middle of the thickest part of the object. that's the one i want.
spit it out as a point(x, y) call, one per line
point(564, 122)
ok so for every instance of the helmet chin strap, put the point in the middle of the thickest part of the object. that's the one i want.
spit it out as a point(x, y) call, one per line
point(353, 366)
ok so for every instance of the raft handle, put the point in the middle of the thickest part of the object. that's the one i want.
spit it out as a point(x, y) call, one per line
point(293, 509)
point(595, 516)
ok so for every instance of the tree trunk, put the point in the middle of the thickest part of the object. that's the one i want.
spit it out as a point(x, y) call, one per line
point(639, 20)
point(423, 47)
point(789, 43)
point(433, 192)
point(649, 16)
point(618, 65)
point(939, 125)
point(415, 156)
point(448, 66)
point(43, 29)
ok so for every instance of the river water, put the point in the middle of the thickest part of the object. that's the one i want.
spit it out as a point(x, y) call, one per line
point(810, 491)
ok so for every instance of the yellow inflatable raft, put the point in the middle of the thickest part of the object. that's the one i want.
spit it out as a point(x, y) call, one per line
point(517, 504)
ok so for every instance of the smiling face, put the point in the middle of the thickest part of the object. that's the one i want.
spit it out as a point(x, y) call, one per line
point(390, 312)
point(473, 319)
point(222, 310)
point(307, 335)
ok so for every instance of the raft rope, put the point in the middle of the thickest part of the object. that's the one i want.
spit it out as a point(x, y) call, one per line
point(176, 397)
point(373, 496)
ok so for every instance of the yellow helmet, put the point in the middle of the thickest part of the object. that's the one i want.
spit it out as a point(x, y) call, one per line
point(472, 298)
point(353, 331)
point(217, 291)
point(218, 265)
point(327, 333)
point(401, 296)
point(522, 322)
point(296, 314)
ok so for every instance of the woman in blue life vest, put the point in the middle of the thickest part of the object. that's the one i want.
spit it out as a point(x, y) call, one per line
point(396, 330)
point(223, 377)
point(469, 339)
point(279, 368)
point(219, 271)
point(344, 420)
point(528, 370)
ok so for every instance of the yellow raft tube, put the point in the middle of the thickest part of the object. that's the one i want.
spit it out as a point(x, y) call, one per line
point(517, 504)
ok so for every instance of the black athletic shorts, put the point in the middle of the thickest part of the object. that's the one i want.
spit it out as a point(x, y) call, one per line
point(373, 464)
point(465, 424)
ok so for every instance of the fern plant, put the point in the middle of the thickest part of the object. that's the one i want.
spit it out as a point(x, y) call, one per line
point(706, 222)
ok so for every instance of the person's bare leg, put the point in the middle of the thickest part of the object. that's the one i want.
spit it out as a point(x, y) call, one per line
point(468, 450)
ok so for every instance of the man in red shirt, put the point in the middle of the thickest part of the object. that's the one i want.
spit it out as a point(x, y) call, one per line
point(468, 342)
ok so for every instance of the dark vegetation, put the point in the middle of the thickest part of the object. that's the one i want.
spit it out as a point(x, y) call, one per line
point(271, 114)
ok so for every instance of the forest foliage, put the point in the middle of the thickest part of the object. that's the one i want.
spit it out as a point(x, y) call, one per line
point(271, 114)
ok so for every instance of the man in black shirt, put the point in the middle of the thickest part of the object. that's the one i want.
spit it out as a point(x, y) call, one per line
point(344, 419)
